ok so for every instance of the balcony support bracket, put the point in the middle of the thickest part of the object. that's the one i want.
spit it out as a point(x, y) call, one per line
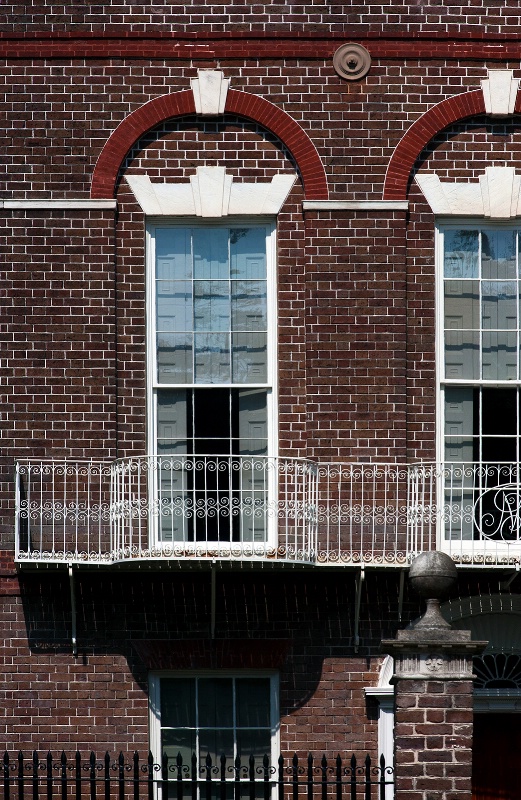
point(358, 600)
point(400, 594)
point(510, 580)
point(213, 600)
point(72, 588)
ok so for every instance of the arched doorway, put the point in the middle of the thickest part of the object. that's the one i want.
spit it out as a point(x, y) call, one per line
point(497, 692)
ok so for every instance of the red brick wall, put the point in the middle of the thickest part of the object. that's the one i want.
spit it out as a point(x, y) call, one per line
point(128, 624)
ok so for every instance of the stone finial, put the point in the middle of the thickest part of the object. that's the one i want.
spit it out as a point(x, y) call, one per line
point(433, 575)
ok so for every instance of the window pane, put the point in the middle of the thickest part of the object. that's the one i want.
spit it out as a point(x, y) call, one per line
point(211, 306)
point(215, 743)
point(498, 253)
point(172, 421)
point(210, 253)
point(212, 358)
point(459, 413)
point(174, 358)
point(253, 415)
point(249, 358)
point(178, 703)
point(462, 354)
point(174, 306)
point(501, 450)
point(499, 305)
point(249, 306)
point(253, 743)
point(461, 254)
point(253, 702)
point(499, 410)
point(211, 413)
point(248, 253)
point(462, 305)
point(215, 702)
point(178, 741)
point(173, 261)
point(500, 354)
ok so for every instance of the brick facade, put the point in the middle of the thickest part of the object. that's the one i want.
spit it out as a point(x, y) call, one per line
point(92, 94)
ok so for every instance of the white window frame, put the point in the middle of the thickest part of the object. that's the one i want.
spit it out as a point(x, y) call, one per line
point(270, 385)
point(471, 546)
point(155, 704)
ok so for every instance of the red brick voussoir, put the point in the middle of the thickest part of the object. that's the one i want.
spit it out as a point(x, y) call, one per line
point(270, 116)
point(419, 135)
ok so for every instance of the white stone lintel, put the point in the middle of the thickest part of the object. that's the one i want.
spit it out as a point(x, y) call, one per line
point(495, 195)
point(211, 193)
point(499, 92)
point(210, 89)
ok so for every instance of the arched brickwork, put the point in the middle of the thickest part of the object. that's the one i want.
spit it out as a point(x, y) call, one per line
point(421, 132)
point(181, 103)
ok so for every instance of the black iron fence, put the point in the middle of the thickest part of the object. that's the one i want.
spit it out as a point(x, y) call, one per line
point(46, 778)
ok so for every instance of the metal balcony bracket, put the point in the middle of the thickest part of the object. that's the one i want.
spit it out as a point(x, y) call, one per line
point(358, 601)
point(510, 580)
point(72, 588)
point(213, 600)
point(400, 594)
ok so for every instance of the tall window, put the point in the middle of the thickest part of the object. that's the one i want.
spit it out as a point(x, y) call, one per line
point(481, 379)
point(212, 376)
point(215, 714)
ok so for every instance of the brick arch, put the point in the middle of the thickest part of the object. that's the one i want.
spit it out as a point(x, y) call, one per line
point(421, 132)
point(179, 104)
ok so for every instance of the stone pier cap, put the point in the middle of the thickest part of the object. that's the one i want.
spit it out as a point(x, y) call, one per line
point(430, 649)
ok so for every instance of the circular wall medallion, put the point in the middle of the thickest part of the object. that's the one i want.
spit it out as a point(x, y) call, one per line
point(351, 61)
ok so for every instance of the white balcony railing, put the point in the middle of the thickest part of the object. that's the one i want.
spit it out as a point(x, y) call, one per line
point(260, 508)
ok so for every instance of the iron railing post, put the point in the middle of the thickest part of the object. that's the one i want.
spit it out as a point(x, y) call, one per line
point(36, 764)
point(294, 776)
point(338, 777)
point(193, 777)
point(310, 776)
point(353, 777)
point(63, 775)
point(266, 776)
point(323, 778)
point(280, 779)
point(92, 776)
point(20, 776)
point(77, 775)
point(150, 776)
point(179, 776)
point(48, 780)
point(106, 780)
point(6, 776)
point(251, 776)
point(121, 777)
point(222, 786)
point(367, 794)
point(237, 778)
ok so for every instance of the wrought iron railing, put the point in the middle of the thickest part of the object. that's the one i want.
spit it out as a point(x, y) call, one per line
point(35, 777)
point(158, 507)
point(471, 510)
point(259, 508)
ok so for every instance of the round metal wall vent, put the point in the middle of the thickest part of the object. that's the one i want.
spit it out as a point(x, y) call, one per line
point(351, 61)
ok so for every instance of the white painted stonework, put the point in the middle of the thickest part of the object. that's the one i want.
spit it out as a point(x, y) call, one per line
point(499, 92)
point(495, 195)
point(210, 89)
point(211, 193)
